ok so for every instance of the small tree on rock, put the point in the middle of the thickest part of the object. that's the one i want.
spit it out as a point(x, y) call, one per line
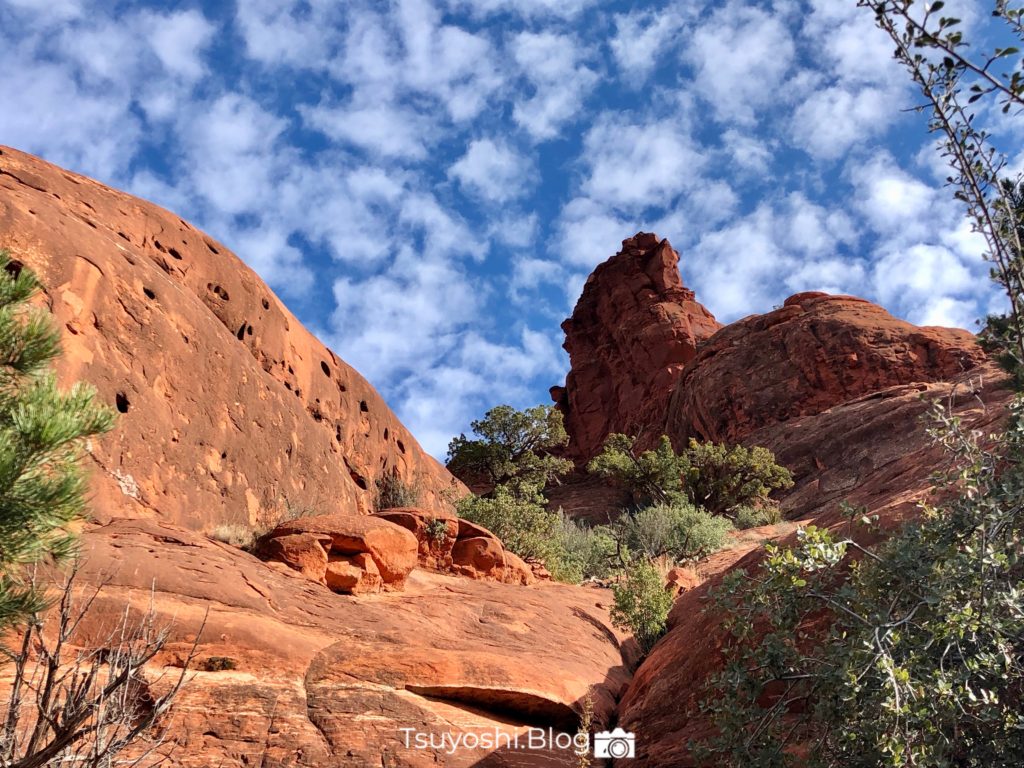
point(42, 431)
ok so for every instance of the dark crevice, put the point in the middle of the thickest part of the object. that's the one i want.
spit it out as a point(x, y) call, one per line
point(515, 706)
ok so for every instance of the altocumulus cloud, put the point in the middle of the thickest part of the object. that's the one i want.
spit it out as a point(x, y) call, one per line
point(428, 182)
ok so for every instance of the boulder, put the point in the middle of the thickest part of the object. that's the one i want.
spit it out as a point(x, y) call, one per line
point(391, 548)
point(435, 534)
point(479, 557)
point(303, 552)
point(681, 579)
point(517, 570)
point(322, 680)
point(355, 574)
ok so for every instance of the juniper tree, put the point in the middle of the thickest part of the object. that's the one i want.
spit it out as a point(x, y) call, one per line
point(42, 431)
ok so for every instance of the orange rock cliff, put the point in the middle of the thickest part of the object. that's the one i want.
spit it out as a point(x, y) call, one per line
point(231, 412)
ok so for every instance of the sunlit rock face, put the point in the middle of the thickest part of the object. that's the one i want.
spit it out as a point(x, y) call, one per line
point(632, 331)
point(231, 411)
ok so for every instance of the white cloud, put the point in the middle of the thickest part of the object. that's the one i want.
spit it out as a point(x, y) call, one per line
point(741, 56)
point(590, 233)
point(644, 39)
point(559, 81)
point(564, 9)
point(924, 282)
point(831, 121)
point(388, 131)
point(748, 152)
point(893, 202)
point(493, 171)
point(179, 40)
point(288, 32)
point(633, 166)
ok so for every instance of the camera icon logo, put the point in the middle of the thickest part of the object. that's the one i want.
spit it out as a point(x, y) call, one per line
point(616, 744)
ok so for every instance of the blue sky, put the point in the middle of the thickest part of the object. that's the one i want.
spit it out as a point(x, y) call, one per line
point(427, 183)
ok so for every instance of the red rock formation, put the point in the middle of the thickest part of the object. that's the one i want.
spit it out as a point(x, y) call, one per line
point(231, 410)
point(320, 679)
point(872, 452)
point(435, 535)
point(451, 545)
point(362, 554)
point(632, 331)
point(814, 352)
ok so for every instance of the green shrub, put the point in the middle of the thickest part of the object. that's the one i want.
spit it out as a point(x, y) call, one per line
point(584, 552)
point(642, 604)
point(717, 477)
point(680, 531)
point(651, 476)
point(518, 517)
point(724, 478)
point(437, 530)
point(510, 445)
point(922, 661)
point(394, 493)
point(754, 517)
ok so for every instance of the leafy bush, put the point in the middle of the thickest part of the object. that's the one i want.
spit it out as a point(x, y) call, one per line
point(437, 530)
point(394, 493)
point(724, 478)
point(584, 552)
point(680, 531)
point(517, 517)
point(510, 444)
point(754, 517)
point(42, 434)
point(642, 604)
point(923, 661)
point(717, 477)
point(651, 476)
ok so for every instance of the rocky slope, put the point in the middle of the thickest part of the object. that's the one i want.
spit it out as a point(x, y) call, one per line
point(632, 331)
point(231, 411)
point(836, 388)
point(291, 674)
point(814, 352)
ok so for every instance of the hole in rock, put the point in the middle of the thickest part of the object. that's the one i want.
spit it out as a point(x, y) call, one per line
point(241, 332)
point(325, 368)
point(387, 433)
point(401, 446)
point(217, 291)
point(363, 406)
point(211, 247)
point(124, 236)
point(149, 293)
point(266, 304)
point(121, 401)
point(359, 480)
point(174, 253)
